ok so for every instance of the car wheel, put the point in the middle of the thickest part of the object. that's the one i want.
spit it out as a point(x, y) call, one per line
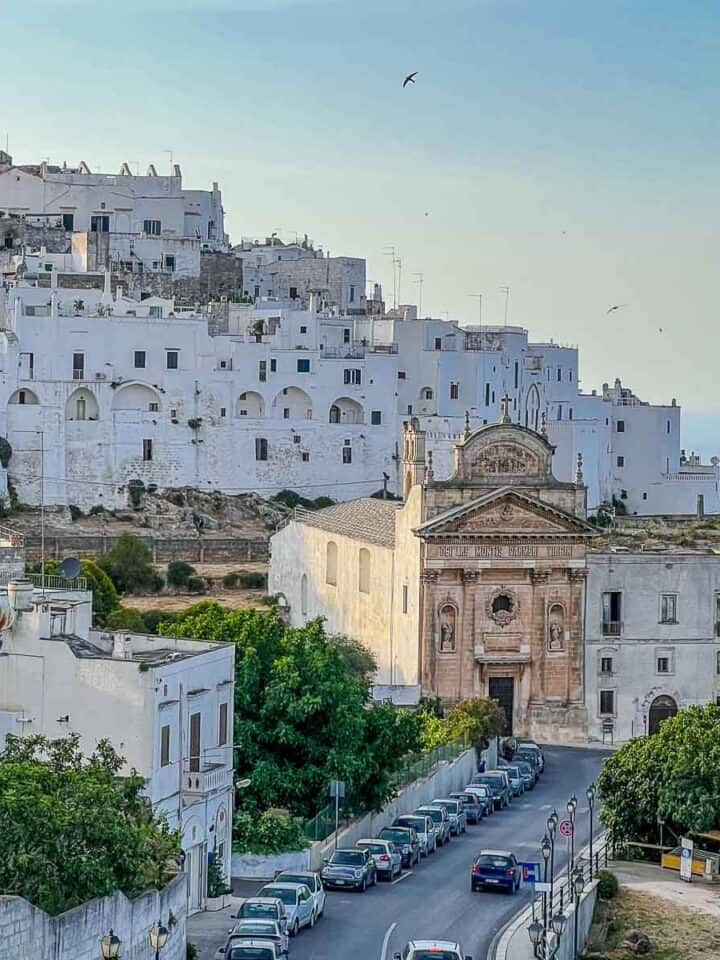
point(295, 928)
point(312, 919)
point(363, 885)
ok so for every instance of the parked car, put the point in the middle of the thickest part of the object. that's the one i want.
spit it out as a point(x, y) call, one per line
point(387, 857)
point(425, 829)
point(349, 868)
point(495, 868)
point(511, 745)
point(483, 793)
point(498, 785)
point(262, 908)
point(312, 881)
point(473, 808)
point(257, 949)
point(440, 818)
point(532, 757)
point(527, 772)
point(406, 840)
point(432, 950)
point(254, 930)
point(298, 902)
point(456, 812)
point(517, 784)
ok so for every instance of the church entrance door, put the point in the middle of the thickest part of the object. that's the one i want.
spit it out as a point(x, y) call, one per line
point(502, 689)
point(660, 709)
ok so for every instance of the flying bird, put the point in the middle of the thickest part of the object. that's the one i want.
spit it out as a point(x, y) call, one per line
point(618, 306)
point(410, 78)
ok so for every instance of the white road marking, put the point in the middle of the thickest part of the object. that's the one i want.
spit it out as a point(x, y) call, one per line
point(403, 876)
point(388, 934)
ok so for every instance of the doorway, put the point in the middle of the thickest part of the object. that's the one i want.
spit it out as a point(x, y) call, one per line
point(660, 709)
point(502, 689)
point(194, 867)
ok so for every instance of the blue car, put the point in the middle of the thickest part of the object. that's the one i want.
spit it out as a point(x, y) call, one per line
point(495, 868)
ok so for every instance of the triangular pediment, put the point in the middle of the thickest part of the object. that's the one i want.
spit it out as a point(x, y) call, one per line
point(506, 512)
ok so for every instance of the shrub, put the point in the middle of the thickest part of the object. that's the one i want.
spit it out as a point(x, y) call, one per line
point(179, 572)
point(75, 512)
point(321, 502)
point(129, 565)
point(268, 834)
point(191, 951)
point(607, 885)
point(176, 497)
point(230, 580)
point(158, 582)
point(251, 581)
point(96, 510)
point(126, 618)
point(5, 452)
point(136, 489)
point(153, 618)
point(217, 885)
point(196, 585)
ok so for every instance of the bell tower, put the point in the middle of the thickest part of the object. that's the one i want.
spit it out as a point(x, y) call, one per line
point(414, 463)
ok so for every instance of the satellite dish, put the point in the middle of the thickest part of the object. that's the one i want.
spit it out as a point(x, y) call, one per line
point(70, 568)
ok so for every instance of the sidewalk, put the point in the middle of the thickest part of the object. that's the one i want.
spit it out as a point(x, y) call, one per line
point(666, 884)
point(209, 930)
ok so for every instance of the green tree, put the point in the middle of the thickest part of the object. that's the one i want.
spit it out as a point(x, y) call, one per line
point(129, 565)
point(390, 734)
point(359, 660)
point(126, 618)
point(179, 572)
point(673, 775)
point(478, 719)
point(72, 830)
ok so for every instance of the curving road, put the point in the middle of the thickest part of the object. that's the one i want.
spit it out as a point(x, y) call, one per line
point(434, 899)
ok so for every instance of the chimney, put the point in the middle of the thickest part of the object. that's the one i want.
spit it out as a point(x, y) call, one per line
point(122, 646)
point(20, 594)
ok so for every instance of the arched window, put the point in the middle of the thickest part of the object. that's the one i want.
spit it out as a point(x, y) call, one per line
point(532, 408)
point(331, 559)
point(304, 595)
point(364, 570)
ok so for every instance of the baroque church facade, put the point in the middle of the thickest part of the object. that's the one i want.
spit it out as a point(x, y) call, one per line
point(474, 586)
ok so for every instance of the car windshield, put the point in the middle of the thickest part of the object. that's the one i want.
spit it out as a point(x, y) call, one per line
point(252, 953)
point(493, 860)
point(488, 782)
point(417, 822)
point(347, 858)
point(434, 954)
point(527, 757)
point(295, 878)
point(250, 909)
point(450, 805)
point(435, 814)
point(257, 928)
point(398, 836)
point(288, 897)
point(480, 788)
point(524, 767)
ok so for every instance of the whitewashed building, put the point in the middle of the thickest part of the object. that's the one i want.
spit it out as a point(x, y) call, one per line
point(166, 705)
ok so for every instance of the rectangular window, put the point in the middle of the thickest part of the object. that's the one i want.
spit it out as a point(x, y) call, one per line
point(620, 461)
point(570, 375)
point(78, 366)
point(305, 457)
point(152, 228)
point(405, 598)
point(606, 665)
point(139, 360)
point(487, 394)
point(559, 374)
point(194, 740)
point(353, 377)
point(376, 418)
point(100, 224)
point(346, 335)
point(155, 313)
point(273, 365)
point(68, 222)
point(165, 746)
point(262, 371)
point(454, 391)
point(171, 359)
point(169, 264)
point(620, 426)
point(261, 448)
point(438, 343)
point(663, 664)
point(147, 450)
point(303, 365)
point(668, 427)
point(570, 413)
point(401, 374)
point(223, 725)
point(347, 454)
point(286, 413)
point(517, 373)
point(607, 702)
point(352, 294)
point(559, 411)
point(303, 329)
point(293, 296)
point(153, 406)
point(612, 613)
point(668, 608)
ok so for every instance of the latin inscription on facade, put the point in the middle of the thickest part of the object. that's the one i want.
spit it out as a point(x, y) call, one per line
point(500, 551)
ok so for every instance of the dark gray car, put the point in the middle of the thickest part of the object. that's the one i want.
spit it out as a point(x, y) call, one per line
point(351, 868)
point(406, 840)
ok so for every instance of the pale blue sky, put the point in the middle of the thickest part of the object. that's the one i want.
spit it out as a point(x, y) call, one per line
point(567, 149)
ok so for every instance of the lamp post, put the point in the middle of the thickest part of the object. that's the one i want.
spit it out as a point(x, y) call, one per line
point(110, 946)
point(552, 822)
point(571, 808)
point(578, 887)
point(546, 849)
point(590, 794)
point(539, 936)
point(159, 934)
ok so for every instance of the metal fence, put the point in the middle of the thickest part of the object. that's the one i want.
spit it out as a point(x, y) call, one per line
point(54, 582)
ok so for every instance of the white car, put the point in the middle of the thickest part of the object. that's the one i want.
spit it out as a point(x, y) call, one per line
point(312, 881)
point(297, 901)
point(254, 950)
point(250, 929)
point(432, 950)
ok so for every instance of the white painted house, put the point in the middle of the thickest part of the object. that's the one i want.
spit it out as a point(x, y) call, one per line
point(166, 705)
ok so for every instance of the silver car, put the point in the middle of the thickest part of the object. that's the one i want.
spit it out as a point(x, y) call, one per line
point(297, 901)
point(456, 812)
point(249, 929)
point(440, 818)
point(253, 950)
point(424, 827)
point(387, 857)
point(312, 881)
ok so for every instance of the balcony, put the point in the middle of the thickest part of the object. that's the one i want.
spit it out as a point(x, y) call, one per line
point(612, 628)
point(201, 782)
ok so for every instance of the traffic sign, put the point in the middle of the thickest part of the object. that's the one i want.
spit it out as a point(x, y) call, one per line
point(543, 887)
point(530, 872)
point(686, 859)
point(566, 828)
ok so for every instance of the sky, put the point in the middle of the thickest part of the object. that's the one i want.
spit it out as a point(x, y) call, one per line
point(567, 150)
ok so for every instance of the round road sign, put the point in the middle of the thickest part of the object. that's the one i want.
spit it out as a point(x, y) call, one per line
point(565, 828)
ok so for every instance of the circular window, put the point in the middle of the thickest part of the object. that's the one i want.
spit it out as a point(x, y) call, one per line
point(502, 607)
point(502, 602)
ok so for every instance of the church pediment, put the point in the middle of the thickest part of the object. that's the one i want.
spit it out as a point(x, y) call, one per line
point(506, 452)
point(505, 513)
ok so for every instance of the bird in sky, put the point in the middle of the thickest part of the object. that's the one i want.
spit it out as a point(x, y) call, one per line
point(410, 78)
point(618, 306)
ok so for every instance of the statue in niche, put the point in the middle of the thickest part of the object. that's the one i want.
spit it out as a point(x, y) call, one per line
point(447, 629)
point(556, 630)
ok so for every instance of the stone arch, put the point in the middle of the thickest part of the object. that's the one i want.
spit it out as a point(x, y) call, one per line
point(24, 396)
point(532, 408)
point(345, 410)
point(331, 563)
point(556, 620)
point(82, 405)
point(662, 708)
point(136, 396)
point(292, 403)
point(250, 404)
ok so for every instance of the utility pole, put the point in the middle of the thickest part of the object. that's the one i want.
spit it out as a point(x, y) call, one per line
point(391, 251)
point(419, 283)
point(506, 291)
point(42, 512)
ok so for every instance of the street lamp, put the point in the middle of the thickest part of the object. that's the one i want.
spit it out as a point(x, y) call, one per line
point(539, 936)
point(159, 934)
point(552, 822)
point(110, 946)
point(558, 923)
point(590, 794)
point(578, 883)
point(546, 850)
point(571, 808)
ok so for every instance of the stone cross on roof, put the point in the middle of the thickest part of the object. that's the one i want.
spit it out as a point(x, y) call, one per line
point(505, 410)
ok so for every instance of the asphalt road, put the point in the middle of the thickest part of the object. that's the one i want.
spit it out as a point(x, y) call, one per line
point(434, 899)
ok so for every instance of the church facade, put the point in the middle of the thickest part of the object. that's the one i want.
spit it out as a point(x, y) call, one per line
point(480, 578)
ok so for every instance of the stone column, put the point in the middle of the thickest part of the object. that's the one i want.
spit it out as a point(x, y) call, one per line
point(427, 677)
point(466, 662)
point(538, 578)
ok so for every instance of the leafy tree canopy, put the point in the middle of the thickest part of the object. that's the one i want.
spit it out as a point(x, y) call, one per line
point(673, 775)
point(126, 618)
point(129, 565)
point(72, 830)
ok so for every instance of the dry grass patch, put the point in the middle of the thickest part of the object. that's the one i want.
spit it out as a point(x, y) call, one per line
point(676, 933)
